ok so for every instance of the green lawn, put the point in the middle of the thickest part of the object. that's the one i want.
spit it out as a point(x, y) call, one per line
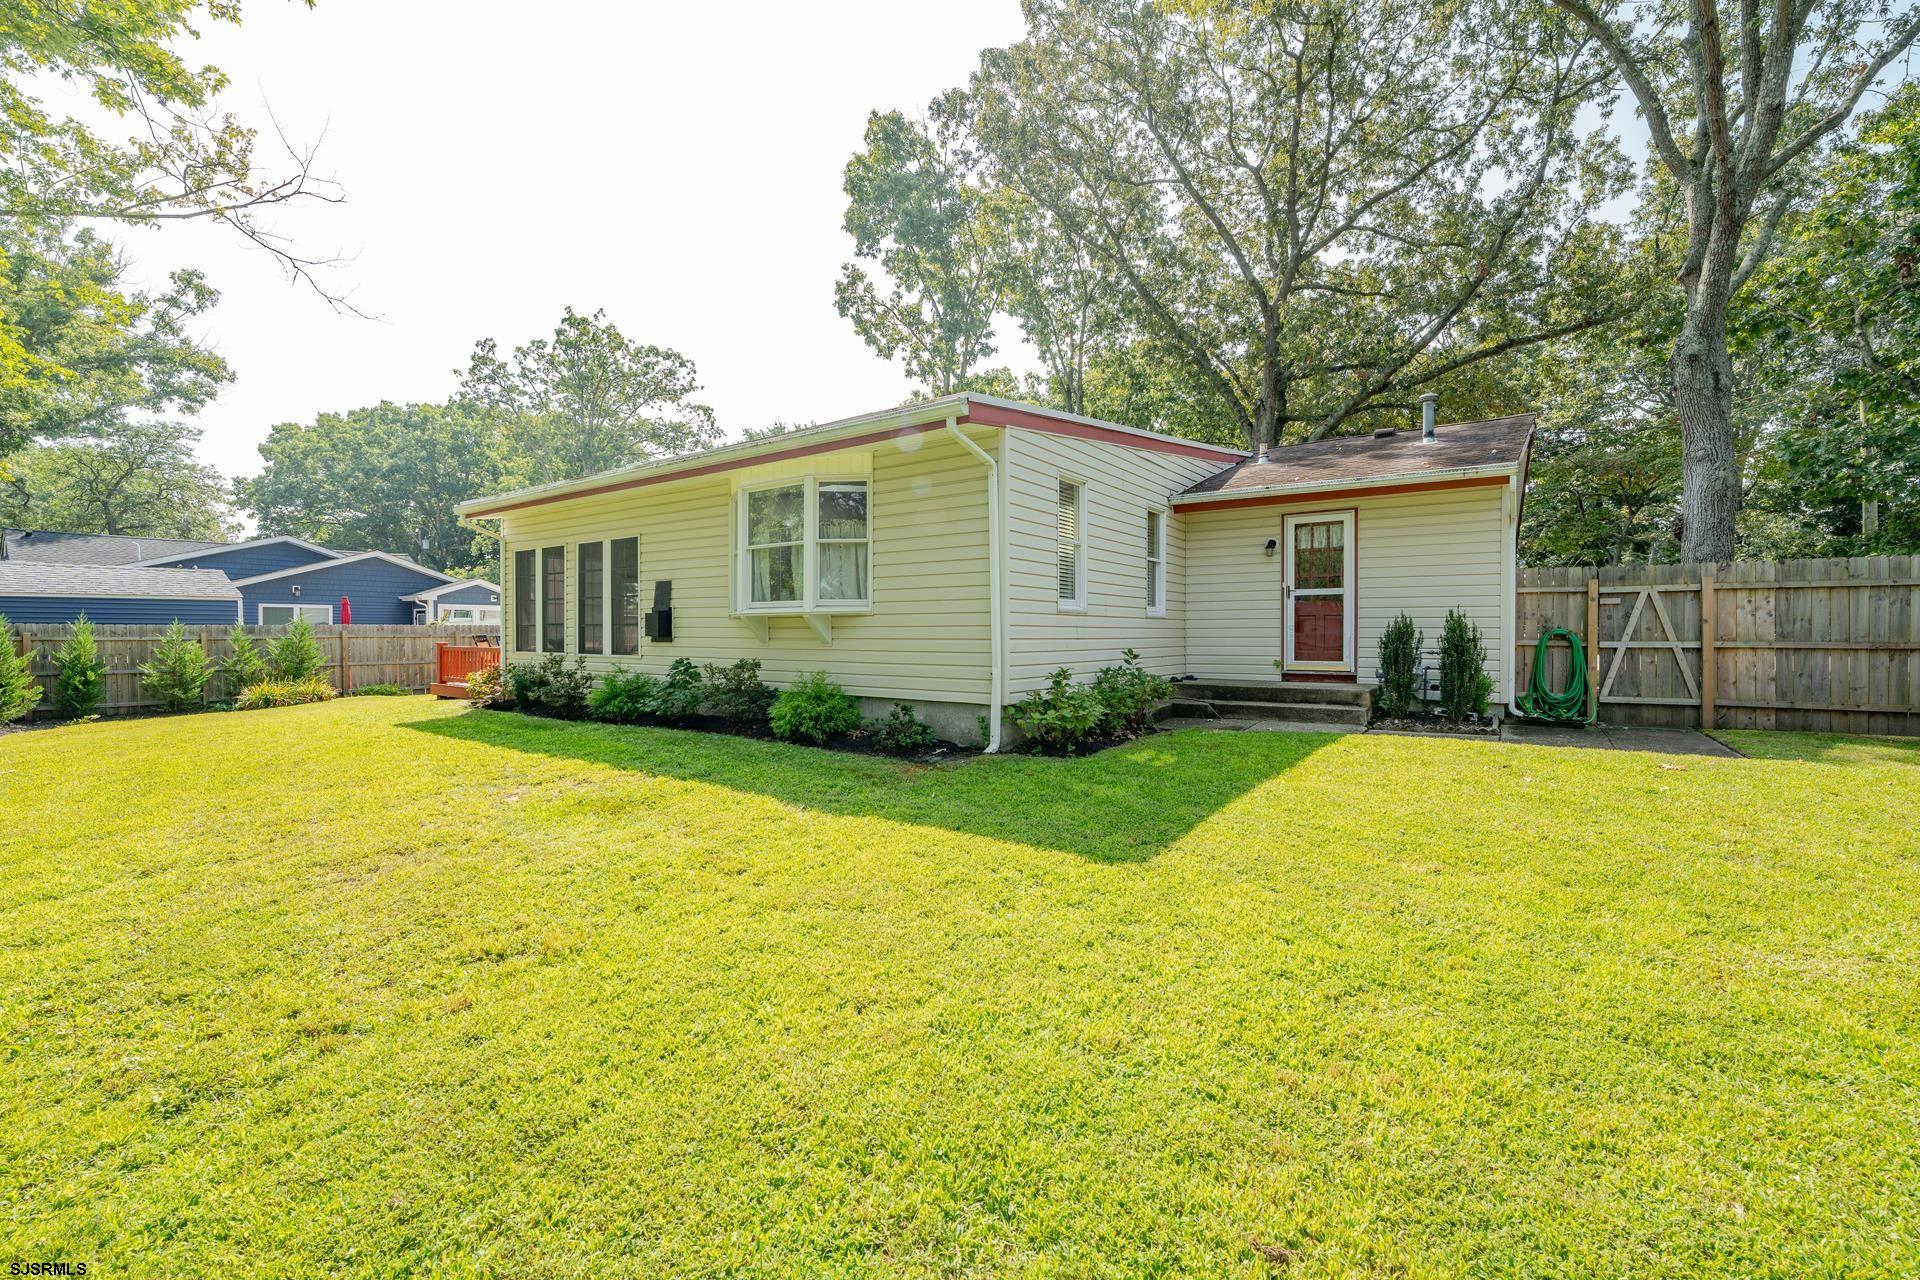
point(386, 986)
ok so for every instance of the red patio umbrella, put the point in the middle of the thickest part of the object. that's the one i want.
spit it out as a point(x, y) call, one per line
point(346, 611)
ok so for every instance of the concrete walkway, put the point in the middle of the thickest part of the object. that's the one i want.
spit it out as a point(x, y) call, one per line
point(1615, 737)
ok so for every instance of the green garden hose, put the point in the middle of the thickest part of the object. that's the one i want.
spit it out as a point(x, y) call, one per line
point(1542, 703)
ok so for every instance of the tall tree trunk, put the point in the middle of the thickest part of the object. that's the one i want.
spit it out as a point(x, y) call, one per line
point(1710, 467)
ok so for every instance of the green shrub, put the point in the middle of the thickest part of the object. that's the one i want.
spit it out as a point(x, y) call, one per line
point(1464, 682)
point(902, 731)
point(1061, 718)
point(679, 696)
point(284, 693)
point(244, 664)
point(19, 692)
point(814, 709)
point(737, 694)
point(80, 673)
point(1127, 695)
point(295, 657)
point(381, 691)
point(550, 686)
point(487, 687)
point(1399, 659)
point(624, 697)
point(178, 671)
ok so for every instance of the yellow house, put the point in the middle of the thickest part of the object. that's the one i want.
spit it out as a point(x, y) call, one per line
point(951, 554)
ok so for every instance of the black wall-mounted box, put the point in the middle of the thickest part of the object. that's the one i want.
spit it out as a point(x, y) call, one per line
point(659, 620)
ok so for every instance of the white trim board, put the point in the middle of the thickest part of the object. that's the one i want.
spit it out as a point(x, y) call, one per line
point(159, 561)
point(355, 558)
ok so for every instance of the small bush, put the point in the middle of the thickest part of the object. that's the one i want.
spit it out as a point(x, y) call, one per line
point(1127, 695)
point(284, 693)
point(814, 709)
point(245, 664)
point(487, 687)
point(902, 731)
point(19, 693)
point(550, 686)
point(381, 691)
point(1464, 682)
point(1399, 658)
point(295, 657)
point(1061, 718)
point(737, 694)
point(624, 697)
point(80, 673)
point(178, 671)
point(679, 696)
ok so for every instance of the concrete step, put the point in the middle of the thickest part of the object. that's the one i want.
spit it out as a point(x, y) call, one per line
point(1311, 712)
point(1325, 694)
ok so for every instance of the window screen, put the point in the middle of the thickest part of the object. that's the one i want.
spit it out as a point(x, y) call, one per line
point(524, 615)
point(592, 596)
point(553, 599)
point(626, 595)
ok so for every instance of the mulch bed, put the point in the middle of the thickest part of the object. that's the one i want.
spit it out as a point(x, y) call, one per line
point(1438, 725)
point(862, 744)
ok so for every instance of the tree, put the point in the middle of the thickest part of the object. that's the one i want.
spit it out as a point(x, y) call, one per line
point(244, 665)
point(295, 656)
point(1833, 321)
point(138, 481)
point(1733, 116)
point(79, 354)
point(177, 673)
point(385, 477)
point(914, 207)
point(587, 400)
point(1322, 207)
point(79, 672)
point(186, 160)
point(1069, 304)
point(19, 693)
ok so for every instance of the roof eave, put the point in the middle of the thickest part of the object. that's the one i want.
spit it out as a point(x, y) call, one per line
point(1351, 482)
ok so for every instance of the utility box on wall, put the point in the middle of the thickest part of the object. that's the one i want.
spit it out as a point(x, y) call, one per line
point(659, 619)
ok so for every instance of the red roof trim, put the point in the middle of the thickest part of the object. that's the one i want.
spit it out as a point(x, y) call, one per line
point(993, 415)
point(1355, 491)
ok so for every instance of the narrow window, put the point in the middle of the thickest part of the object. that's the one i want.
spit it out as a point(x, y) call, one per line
point(553, 599)
point(524, 613)
point(626, 595)
point(1071, 571)
point(776, 546)
point(843, 543)
point(590, 596)
point(1156, 563)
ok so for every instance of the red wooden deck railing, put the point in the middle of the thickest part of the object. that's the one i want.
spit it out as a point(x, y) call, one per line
point(455, 662)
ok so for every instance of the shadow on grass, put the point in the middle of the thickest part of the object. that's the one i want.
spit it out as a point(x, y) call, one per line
point(1821, 748)
point(1122, 805)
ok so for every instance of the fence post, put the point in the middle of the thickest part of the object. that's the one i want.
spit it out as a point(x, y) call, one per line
point(1593, 646)
point(346, 670)
point(1708, 712)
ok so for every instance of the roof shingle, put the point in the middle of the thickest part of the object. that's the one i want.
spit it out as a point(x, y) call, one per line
point(48, 546)
point(1495, 442)
point(17, 579)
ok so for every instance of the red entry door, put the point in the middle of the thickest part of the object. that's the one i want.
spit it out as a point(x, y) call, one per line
point(1319, 592)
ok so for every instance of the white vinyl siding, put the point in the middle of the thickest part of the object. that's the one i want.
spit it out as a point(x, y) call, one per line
point(925, 633)
point(1120, 484)
point(1422, 553)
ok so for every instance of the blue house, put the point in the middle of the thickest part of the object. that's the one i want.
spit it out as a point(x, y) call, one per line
point(268, 581)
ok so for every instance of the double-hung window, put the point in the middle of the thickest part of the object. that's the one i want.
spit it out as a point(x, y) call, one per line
point(590, 597)
point(1070, 557)
point(806, 545)
point(1156, 563)
point(526, 615)
point(553, 599)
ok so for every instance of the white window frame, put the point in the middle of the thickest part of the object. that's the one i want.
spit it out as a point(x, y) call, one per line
point(476, 610)
point(1156, 564)
point(1077, 603)
point(809, 544)
point(299, 611)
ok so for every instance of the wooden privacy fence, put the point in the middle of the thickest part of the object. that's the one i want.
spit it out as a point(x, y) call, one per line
point(1811, 645)
point(355, 656)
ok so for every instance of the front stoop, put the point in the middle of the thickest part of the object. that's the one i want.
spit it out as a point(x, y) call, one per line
point(1303, 701)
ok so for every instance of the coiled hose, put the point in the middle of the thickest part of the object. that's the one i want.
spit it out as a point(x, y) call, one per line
point(1542, 703)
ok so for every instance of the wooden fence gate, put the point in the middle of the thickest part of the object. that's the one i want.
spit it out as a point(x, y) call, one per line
point(355, 656)
point(1811, 645)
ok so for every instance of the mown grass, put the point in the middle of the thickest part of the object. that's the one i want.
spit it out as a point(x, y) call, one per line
point(382, 986)
point(1825, 748)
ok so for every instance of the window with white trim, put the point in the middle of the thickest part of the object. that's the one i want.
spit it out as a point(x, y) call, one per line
point(483, 615)
point(805, 546)
point(285, 615)
point(1071, 553)
point(1156, 563)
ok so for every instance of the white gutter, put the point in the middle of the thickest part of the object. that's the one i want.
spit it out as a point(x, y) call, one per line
point(1370, 482)
point(995, 607)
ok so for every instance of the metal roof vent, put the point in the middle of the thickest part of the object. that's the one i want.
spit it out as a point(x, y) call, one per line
point(1427, 402)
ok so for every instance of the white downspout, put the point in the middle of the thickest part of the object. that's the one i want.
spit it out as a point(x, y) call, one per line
point(993, 579)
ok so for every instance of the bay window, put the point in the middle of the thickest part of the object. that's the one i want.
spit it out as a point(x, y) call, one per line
point(805, 546)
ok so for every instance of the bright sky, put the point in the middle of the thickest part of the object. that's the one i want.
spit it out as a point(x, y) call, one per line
point(677, 165)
